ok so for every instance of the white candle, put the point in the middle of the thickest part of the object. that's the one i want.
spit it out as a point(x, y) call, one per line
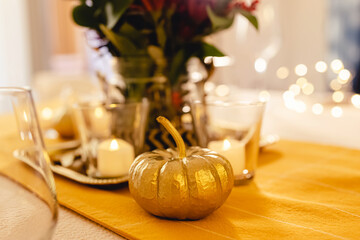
point(233, 150)
point(114, 158)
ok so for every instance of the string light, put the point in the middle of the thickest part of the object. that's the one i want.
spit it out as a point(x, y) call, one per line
point(336, 65)
point(282, 72)
point(308, 88)
point(321, 66)
point(293, 104)
point(295, 89)
point(288, 96)
point(260, 65)
point(335, 85)
point(336, 112)
point(301, 70)
point(264, 96)
point(301, 82)
point(300, 107)
point(344, 76)
point(317, 109)
point(338, 96)
point(355, 100)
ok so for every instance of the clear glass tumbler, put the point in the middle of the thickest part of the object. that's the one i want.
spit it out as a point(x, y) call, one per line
point(111, 136)
point(233, 130)
point(27, 191)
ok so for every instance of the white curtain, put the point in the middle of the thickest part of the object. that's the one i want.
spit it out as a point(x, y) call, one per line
point(15, 64)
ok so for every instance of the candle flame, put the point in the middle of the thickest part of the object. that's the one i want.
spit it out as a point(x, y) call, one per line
point(99, 112)
point(114, 145)
point(47, 113)
point(227, 145)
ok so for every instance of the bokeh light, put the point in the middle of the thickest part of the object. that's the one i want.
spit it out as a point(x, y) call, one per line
point(336, 65)
point(301, 70)
point(344, 76)
point(282, 72)
point(308, 88)
point(301, 82)
point(209, 86)
point(317, 108)
point(260, 65)
point(222, 90)
point(46, 113)
point(186, 109)
point(288, 96)
point(335, 85)
point(321, 66)
point(336, 112)
point(196, 76)
point(300, 106)
point(355, 100)
point(264, 96)
point(338, 96)
point(295, 89)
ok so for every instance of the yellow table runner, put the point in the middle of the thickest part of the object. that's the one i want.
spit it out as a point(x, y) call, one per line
point(301, 191)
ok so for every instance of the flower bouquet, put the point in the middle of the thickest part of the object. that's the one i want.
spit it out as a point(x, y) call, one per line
point(152, 41)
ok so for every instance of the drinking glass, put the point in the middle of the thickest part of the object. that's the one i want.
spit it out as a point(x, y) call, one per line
point(28, 205)
point(111, 136)
point(233, 130)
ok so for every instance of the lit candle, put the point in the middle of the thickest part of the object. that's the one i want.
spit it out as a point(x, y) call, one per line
point(233, 150)
point(114, 157)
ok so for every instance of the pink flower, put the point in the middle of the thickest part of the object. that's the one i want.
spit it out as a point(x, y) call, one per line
point(153, 5)
point(197, 9)
point(242, 5)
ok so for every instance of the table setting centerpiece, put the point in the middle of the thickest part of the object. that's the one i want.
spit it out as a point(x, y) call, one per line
point(151, 43)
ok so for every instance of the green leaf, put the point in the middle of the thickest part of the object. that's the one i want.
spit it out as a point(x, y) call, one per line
point(209, 50)
point(161, 34)
point(218, 22)
point(127, 30)
point(157, 54)
point(198, 49)
point(83, 15)
point(252, 19)
point(114, 9)
point(178, 65)
point(123, 44)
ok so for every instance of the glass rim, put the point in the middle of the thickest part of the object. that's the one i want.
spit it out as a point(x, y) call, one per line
point(93, 105)
point(238, 103)
point(15, 89)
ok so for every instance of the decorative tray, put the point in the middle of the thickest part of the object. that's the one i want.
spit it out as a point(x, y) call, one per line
point(67, 167)
point(70, 172)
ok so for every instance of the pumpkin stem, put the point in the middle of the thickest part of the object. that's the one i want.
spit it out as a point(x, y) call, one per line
point(175, 134)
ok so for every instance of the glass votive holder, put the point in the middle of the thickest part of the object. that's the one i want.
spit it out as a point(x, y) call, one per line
point(233, 130)
point(111, 136)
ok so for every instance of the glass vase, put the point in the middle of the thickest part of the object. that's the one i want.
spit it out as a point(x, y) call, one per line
point(141, 78)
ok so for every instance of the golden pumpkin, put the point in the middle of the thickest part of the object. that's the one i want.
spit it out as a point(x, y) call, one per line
point(180, 184)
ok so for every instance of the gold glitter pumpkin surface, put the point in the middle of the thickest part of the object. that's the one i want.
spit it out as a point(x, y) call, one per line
point(178, 184)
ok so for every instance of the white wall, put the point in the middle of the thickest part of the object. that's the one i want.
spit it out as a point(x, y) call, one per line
point(15, 64)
